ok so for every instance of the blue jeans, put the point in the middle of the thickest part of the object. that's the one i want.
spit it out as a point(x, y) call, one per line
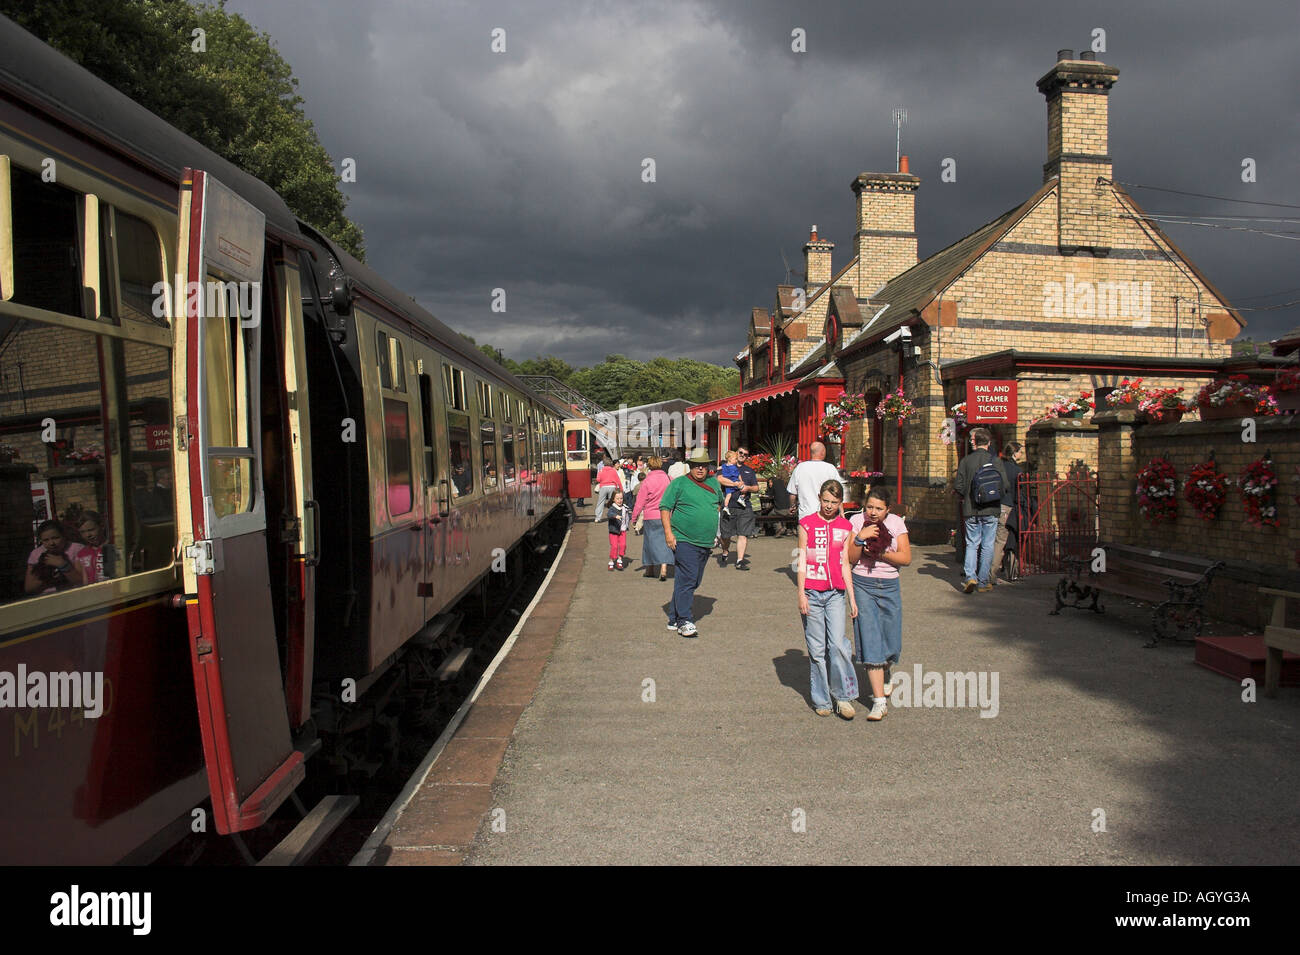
point(879, 627)
point(981, 533)
point(691, 561)
point(823, 631)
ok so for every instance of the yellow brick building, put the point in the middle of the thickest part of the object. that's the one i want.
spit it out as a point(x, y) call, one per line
point(1069, 291)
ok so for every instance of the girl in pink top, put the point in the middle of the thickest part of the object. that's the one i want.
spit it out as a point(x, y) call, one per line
point(879, 546)
point(823, 584)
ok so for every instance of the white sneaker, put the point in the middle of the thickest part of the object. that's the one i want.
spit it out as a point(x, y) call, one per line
point(672, 627)
point(687, 629)
point(877, 711)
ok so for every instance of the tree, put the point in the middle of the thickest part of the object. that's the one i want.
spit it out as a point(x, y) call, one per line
point(234, 94)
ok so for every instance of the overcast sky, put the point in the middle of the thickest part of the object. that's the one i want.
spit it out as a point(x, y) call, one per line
point(522, 170)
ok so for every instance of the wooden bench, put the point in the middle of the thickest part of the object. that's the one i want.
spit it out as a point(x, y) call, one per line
point(1278, 637)
point(1175, 583)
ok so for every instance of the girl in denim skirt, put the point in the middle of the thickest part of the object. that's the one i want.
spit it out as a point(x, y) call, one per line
point(823, 584)
point(878, 547)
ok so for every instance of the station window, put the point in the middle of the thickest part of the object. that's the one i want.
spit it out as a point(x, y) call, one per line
point(488, 444)
point(461, 454)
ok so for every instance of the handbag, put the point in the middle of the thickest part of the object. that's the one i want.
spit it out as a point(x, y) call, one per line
point(640, 522)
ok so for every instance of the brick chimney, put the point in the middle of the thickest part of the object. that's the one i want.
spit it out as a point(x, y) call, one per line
point(885, 244)
point(817, 262)
point(1078, 146)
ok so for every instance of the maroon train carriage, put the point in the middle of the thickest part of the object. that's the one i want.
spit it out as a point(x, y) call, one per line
point(264, 492)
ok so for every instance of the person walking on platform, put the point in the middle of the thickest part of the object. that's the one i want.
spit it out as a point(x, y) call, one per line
point(607, 482)
point(823, 583)
point(807, 478)
point(689, 510)
point(619, 517)
point(879, 547)
point(740, 523)
point(980, 482)
point(654, 549)
point(1012, 454)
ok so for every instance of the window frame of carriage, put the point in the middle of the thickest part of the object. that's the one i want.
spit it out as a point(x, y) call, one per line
point(99, 208)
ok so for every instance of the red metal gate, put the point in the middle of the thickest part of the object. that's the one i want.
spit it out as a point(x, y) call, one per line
point(1058, 518)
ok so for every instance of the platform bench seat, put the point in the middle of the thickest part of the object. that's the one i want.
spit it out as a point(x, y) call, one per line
point(1278, 637)
point(1175, 583)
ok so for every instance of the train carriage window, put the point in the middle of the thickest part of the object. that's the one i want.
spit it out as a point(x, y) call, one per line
point(99, 495)
point(133, 245)
point(537, 445)
point(508, 453)
point(488, 443)
point(397, 452)
point(383, 359)
point(426, 419)
point(399, 367)
point(461, 454)
point(229, 357)
point(46, 245)
point(453, 387)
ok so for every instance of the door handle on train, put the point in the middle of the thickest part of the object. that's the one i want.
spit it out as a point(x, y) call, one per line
point(444, 503)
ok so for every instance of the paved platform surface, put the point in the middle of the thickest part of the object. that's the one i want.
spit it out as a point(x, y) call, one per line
point(1101, 752)
point(729, 763)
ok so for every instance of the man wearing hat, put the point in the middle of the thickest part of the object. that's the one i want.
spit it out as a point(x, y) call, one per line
point(689, 511)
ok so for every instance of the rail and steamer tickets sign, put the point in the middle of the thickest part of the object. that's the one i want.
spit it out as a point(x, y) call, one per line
point(991, 401)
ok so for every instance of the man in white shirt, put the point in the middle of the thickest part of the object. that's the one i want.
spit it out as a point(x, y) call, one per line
point(808, 477)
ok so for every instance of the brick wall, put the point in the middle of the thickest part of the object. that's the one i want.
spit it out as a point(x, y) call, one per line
point(1256, 556)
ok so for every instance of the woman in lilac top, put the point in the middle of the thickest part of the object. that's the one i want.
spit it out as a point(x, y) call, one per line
point(654, 547)
point(878, 547)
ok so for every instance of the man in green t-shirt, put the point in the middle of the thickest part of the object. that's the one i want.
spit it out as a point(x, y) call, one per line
point(689, 510)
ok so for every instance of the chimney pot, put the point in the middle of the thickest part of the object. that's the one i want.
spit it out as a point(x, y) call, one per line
point(1087, 55)
point(813, 237)
point(902, 164)
point(1064, 55)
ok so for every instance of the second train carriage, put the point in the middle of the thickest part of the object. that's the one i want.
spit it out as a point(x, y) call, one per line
point(289, 482)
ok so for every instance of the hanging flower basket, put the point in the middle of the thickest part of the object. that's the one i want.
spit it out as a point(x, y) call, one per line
point(1258, 485)
point(847, 408)
point(1157, 491)
point(1206, 489)
point(896, 406)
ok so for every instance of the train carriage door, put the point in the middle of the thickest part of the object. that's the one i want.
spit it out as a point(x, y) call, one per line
point(251, 762)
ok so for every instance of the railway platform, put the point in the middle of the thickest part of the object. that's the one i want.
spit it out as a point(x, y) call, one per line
point(604, 738)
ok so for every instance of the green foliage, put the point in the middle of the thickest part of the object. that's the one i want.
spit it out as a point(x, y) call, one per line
point(237, 97)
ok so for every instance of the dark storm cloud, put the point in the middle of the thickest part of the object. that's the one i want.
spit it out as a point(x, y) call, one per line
point(522, 170)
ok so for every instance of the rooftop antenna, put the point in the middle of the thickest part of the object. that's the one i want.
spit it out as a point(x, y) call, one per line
point(900, 117)
point(788, 271)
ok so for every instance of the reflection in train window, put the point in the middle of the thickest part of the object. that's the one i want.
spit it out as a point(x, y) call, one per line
point(426, 419)
point(488, 443)
point(399, 367)
point(382, 359)
point(508, 452)
point(139, 264)
point(397, 452)
point(461, 455)
point(111, 501)
point(229, 357)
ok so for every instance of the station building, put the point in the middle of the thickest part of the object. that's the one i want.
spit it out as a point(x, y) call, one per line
point(1070, 291)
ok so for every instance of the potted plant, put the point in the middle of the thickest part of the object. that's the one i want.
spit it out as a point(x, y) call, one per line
point(1063, 407)
point(779, 450)
point(1157, 491)
point(1234, 397)
point(1129, 395)
point(1163, 406)
point(1286, 388)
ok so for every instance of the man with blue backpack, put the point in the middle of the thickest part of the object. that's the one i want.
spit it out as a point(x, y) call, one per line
point(981, 479)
